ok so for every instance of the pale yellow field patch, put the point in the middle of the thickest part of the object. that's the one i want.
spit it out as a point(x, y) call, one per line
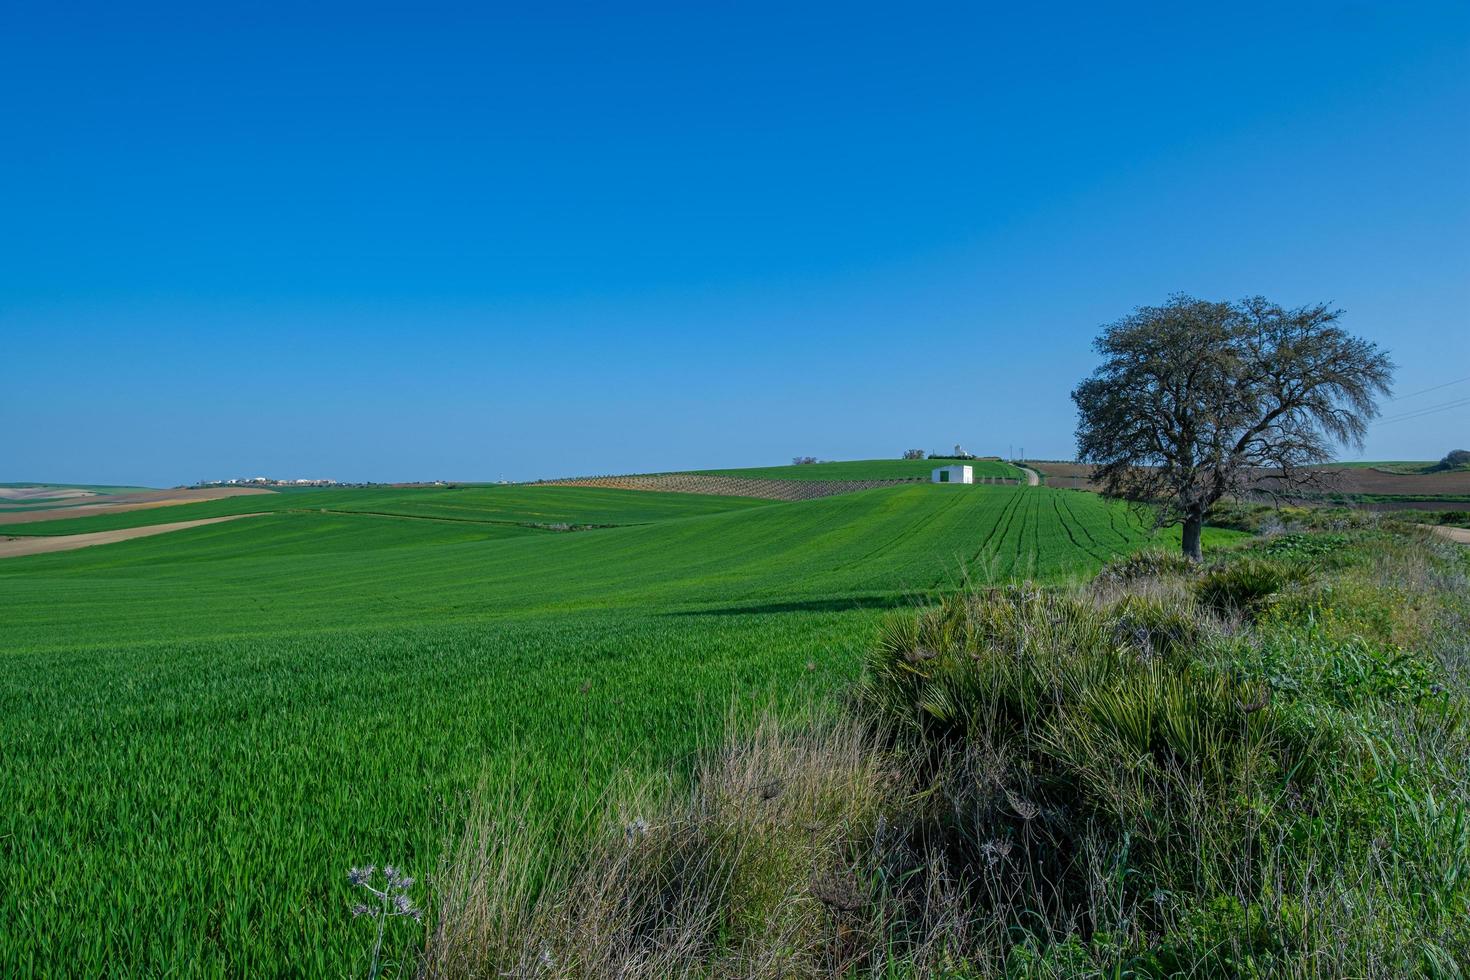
point(23, 494)
point(123, 502)
point(40, 545)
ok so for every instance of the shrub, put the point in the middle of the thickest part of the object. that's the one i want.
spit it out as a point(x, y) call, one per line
point(1150, 563)
point(1078, 737)
point(1247, 585)
point(1454, 459)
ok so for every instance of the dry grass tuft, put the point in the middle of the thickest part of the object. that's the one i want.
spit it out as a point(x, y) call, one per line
point(758, 870)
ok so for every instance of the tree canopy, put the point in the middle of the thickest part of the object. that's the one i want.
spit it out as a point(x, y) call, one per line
point(1195, 400)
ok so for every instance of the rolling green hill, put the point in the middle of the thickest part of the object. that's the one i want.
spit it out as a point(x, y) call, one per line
point(866, 469)
point(203, 730)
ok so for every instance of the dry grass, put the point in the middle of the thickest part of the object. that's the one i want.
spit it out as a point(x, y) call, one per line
point(757, 870)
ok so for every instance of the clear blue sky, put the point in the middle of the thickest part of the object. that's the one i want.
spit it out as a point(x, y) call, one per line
point(477, 241)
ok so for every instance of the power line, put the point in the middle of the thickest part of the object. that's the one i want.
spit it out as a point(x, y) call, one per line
point(1425, 391)
point(1431, 410)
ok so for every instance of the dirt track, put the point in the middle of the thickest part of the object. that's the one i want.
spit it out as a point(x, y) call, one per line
point(120, 503)
point(1460, 534)
point(16, 547)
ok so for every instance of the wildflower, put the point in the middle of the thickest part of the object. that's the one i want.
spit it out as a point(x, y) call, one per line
point(1025, 809)
point(390, 901)
point(995, 851)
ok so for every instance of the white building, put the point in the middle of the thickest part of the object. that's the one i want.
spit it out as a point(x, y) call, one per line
point(952, 474)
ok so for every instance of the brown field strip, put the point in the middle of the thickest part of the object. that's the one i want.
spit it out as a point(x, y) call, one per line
point(1064, 476)
point(120, 503)
point(17, 547)
point(1346, 480)
point(1364, 480)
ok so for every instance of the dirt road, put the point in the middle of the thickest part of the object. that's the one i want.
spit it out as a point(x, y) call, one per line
point(1460, 534)
point(16, 547)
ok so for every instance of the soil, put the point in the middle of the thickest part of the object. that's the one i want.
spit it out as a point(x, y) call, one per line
point(16, 547)
point(1347, 480)
point(1460, 534)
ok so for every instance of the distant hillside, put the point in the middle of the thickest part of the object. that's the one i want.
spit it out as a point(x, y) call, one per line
point(1405, 467)
point(864, 469)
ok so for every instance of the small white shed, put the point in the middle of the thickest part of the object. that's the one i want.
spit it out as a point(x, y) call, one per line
point(952, 474)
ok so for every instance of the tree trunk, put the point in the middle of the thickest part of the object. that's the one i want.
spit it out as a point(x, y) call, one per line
point(1193, 525)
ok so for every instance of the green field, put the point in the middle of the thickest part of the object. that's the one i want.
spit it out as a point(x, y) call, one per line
point(866, 469)
point(204, 729)
point(509, 504)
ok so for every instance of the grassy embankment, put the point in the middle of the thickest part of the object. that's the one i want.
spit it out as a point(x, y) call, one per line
point(1256, 769)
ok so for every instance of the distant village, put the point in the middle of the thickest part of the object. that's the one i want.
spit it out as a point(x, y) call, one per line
point(266, 481)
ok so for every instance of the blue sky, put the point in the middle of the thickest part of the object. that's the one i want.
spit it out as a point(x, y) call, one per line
point(486, 241)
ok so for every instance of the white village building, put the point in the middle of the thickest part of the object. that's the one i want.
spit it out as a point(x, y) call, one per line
point(952, 474)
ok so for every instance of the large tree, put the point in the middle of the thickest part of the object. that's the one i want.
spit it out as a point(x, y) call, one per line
point(1196, 400)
